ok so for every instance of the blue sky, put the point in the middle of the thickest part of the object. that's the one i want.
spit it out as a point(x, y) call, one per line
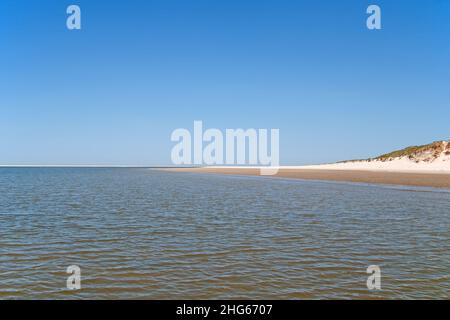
point(113, 92)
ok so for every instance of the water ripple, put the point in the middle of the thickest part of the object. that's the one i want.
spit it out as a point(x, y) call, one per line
point(145, 234)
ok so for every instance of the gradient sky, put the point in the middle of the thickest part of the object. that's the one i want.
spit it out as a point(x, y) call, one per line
point(113, 92)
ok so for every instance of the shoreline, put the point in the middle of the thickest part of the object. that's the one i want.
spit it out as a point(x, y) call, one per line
point(406, 178)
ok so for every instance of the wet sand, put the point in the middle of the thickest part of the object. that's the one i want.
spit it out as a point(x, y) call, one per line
point(437, 180)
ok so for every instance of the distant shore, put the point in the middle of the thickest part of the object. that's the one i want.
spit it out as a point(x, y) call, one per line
point(410, 178)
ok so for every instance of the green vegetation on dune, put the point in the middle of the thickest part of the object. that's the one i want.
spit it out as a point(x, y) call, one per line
point(434, 149)
point(427, 152)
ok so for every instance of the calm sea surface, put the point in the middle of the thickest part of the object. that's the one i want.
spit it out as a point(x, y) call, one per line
point(141, 233)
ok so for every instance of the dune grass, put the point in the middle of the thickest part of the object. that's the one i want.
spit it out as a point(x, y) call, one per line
point(435, 148)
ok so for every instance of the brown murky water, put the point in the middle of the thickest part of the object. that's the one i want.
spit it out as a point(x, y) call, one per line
point(140, 233)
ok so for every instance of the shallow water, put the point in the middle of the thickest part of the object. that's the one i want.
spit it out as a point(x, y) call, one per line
point(141, 233)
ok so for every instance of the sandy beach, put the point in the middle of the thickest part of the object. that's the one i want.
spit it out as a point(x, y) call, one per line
point(436, 179)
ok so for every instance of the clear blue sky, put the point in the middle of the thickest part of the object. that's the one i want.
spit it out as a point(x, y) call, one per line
point(113, 92)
